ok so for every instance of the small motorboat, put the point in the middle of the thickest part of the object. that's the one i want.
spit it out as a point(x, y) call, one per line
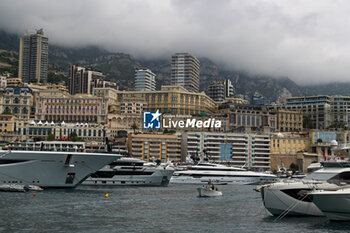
point(209, 191)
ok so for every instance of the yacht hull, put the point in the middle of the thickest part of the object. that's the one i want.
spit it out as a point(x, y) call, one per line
point(216, 179)
point(160, 177)
point(335, 205)
point(50, 169)
point(289, 198)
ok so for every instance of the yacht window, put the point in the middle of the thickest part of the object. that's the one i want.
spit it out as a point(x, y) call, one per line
point(298, 194)
point(341, 177)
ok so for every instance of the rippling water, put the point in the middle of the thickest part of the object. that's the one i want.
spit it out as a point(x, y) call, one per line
point(176, 208)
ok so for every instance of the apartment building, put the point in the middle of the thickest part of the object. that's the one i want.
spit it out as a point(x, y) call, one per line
point(145, 80)
point(185, 71)
point(219, 91)
point(317, 110)
point(152, 147)
point(83, 81)
point(33, 57)
point(251, 151)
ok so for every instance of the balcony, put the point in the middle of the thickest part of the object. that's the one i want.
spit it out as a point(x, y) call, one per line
point(239, 144)
point(261, 140)
point(261, 153)
point(239, 158)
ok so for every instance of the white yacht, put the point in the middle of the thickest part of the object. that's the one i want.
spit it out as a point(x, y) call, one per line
point(202, 173)
point(50, 169)
point(131, 172)
point(334, 203)
point(290, 197)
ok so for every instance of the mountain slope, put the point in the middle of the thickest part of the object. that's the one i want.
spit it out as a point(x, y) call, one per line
point(120, 67)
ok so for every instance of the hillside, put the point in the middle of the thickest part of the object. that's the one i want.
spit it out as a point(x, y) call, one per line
point(120, 67)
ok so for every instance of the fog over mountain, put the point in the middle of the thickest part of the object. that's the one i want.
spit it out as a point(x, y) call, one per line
point(307, 41)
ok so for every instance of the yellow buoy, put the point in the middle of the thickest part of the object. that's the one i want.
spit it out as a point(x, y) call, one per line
point(107, 195)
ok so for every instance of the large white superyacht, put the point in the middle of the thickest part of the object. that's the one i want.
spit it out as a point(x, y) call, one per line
point(131, 172)
point(50, 169)
point(205, 172)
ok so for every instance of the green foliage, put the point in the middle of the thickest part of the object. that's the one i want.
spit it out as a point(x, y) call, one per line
point(294, 167)
point(38, 139)
point(319, 140)
point(6, 113)
point(57, 78)
point(134, 127)
point(50, 137)
point(74, 137)
point(307, 122)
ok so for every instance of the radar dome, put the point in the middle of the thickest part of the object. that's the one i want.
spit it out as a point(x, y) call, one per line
point(334, 143)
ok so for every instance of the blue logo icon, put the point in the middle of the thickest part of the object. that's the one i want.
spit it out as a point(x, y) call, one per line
point(151, 120)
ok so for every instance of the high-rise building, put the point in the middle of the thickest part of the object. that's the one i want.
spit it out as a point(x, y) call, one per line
point(83, 81)
point(33, 57)
point(185, 71)
point(145, 80)
point(219, 91)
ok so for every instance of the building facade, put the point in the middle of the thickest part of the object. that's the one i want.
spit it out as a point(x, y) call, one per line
point(316, 110)
point(244, 150)
point(250, 118)
point(83, 81)
point(33, 57)
point(18, 101)
point(39, 129)
point(152, 147)
point(285, 147)
point(173, 100)
point(145, 80)
point(288, 121)
point(219, 91)
point(57, 106)
point(340, 111)
point(185, 71)
point(7, 123)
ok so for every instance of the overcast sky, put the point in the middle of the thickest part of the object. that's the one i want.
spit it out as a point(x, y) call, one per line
point(306, 40)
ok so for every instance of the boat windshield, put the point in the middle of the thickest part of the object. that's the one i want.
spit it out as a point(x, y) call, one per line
point(320, 176)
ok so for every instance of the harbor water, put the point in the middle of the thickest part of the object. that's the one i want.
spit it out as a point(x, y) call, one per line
point(176, 208)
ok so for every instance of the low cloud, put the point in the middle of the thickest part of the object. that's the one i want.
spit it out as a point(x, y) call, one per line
point(307, 41)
